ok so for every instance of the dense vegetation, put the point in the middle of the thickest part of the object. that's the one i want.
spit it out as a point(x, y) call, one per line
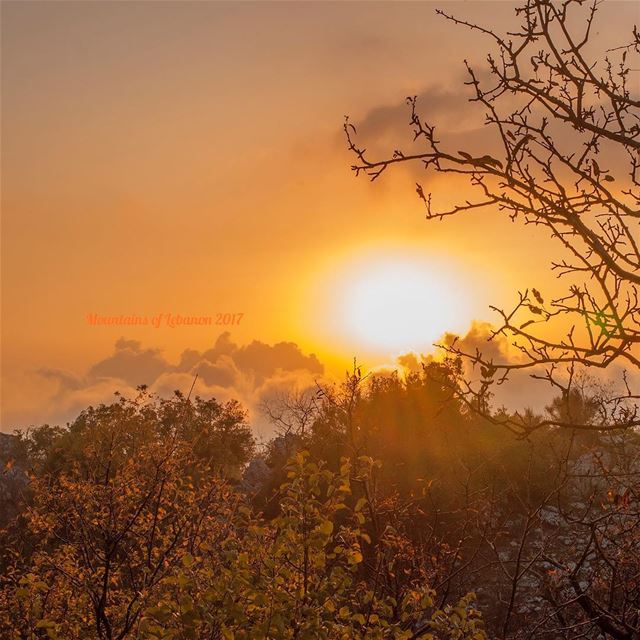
point(153, 518)
point(385, 507)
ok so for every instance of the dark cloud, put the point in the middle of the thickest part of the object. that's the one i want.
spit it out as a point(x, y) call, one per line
point(479, 338)
point(222, 373)
point(221, 365)
point(224, 346)
point(461, 125)
point(447, 108)
point(189, 359)
point(130, 363)
point(264, 360)
point(66, 380)
point(520, 390)
point(257, 360)
point(250, 373)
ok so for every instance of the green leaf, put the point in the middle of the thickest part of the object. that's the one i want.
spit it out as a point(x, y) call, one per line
point(326, 528)
point(227, 634)
point(360, 504)
point(187, 560)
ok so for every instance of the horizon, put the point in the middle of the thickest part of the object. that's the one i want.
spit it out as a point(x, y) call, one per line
point(175, 159)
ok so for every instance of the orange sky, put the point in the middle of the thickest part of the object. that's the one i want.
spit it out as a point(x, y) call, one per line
point(186, 157)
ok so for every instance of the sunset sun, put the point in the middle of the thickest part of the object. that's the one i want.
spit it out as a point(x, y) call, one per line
point(395, 303)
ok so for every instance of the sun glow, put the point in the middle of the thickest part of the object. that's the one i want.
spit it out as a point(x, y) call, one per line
point(401, 305)
point(377, 303)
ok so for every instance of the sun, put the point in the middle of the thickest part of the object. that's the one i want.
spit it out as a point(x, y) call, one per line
point(398, 304)
point(377, 302)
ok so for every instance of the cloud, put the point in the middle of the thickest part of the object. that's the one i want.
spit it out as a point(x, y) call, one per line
point(66, 380)
point(223, 372)
point(461, 124)
point(264, 360)
point(479, 338)
point(519, 392)
point(249, 373)
point(448, 108)
point(409, 361)
point(252, 374)
point(130, 363)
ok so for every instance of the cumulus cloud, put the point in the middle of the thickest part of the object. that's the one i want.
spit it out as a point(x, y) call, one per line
point(253, 374)
point(222, 372)
point(519, 392)
point(264, 360)
point(409, 361)
point(249, 373)
point(479, 339)
point(130, 362)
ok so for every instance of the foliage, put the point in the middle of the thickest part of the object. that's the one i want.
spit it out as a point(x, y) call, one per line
point(299, 576)
point(131, 531)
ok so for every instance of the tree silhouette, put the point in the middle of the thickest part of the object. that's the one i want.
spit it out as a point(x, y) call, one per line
point(565, 158)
